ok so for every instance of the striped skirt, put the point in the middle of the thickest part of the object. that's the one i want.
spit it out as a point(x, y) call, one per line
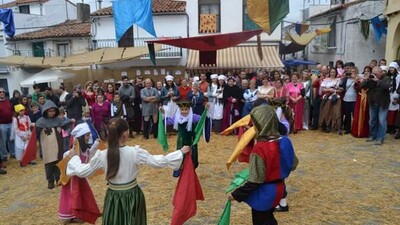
point(124, 204)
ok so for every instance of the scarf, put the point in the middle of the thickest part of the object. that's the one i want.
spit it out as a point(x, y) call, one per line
point(179, 119)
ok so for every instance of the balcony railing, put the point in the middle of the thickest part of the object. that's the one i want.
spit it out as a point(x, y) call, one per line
point(167, 52)
point(3, 69)
point(46, 53)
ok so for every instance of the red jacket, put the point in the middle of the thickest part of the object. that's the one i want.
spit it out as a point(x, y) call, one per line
point(6, 112)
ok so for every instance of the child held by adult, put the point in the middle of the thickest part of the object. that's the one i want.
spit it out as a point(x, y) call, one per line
point(124, 202)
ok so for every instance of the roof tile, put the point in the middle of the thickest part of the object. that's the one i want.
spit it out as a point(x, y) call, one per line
point(21, 2)
point(69, 28)
point(159, 6)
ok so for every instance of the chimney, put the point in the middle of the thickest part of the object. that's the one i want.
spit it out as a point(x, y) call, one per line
point(83, 12)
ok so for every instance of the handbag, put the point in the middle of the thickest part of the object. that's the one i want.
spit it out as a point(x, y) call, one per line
point(334, 98)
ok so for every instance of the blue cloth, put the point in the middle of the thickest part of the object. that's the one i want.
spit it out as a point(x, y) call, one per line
point(286, 156)
point(263, 198)
point(379, 27)
point(298, 62)
point(7, 17)
point(128, 12)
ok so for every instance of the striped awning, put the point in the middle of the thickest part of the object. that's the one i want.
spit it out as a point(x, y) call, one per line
point(240, 57)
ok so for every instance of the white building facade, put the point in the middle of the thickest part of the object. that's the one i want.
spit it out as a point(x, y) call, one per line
point(345, 41)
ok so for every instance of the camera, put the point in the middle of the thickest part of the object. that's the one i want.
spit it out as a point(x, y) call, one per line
point(372, 76)
point(348, 74)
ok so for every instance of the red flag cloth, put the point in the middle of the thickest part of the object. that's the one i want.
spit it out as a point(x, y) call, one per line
point(30, 150)
point(210, 42)
point(187, 191)
point(83, 201)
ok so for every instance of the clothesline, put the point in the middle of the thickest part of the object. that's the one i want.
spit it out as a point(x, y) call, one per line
point(343, 21)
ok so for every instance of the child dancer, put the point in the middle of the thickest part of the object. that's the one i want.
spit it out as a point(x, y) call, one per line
point(49, 129)
point(117, 107)
point(68, 212)
point(21, 124)
point(87, 119)
point(65, 132)
point(124, 202)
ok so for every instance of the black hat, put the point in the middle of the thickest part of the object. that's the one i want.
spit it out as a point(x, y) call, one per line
point(184, 104)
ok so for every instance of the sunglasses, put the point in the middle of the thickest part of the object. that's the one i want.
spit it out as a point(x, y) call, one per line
point(2, 92)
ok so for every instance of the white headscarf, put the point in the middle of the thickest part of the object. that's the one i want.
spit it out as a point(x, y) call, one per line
point(80, 130)
point(179, 119)
point(169, 78)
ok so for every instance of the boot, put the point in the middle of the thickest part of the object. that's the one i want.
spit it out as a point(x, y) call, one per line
point(146, 129)
point(154, 130)
point(131, 134)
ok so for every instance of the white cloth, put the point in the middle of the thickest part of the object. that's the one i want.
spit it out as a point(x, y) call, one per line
point(80, 130)
point(63, 95)
point(130, 159)
point(394, 95)
point(222, 77)
point(394, 65)
point(214, 76)
point(249, 95)
point(330, 83)
point(169, 78)
point(21, 144)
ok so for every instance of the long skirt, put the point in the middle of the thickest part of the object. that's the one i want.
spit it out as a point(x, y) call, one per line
point(360, 126)
point(330, 114)
point(124, 204)
point(298, 109)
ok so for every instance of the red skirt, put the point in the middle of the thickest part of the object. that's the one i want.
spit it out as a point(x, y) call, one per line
point(391, 118)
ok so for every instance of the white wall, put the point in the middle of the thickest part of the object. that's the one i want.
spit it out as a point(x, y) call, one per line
point(231, 19)
point(351, 45)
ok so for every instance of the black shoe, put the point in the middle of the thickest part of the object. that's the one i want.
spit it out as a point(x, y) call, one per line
point(50, 185)
point(280, 208)
point(4, 160)
point(20, 164)
point(340, 133)
point(397, 136)
point(3, 171)
point(12, 157)
point(32, 163)
point(328, 130)
point(347, 132)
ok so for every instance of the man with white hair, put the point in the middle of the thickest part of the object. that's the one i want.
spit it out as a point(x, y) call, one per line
point(378, 85)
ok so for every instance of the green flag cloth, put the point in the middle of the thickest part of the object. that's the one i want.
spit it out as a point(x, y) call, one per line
point(162, 136)
point(199, 128)
point(152, 53)
point(225, 218)
point(267, 14)
point(365, 28)
point(239, 180)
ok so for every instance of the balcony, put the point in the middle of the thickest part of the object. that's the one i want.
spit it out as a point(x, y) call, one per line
point(3, 69)
point(29, 53)
point(167, 52)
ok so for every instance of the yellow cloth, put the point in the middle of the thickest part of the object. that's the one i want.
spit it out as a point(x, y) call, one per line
point(208, 23)
point(243, 142)
point(64, 179)
point(258, 11)
point(306, 38)
point(240, 123)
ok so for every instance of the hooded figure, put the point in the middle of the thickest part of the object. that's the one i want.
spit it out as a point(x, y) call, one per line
point(271, 161)
point(49, 129)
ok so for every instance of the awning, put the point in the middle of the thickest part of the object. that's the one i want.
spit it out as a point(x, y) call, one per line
point(100, 56)
point(240, 57)
point(45, 76)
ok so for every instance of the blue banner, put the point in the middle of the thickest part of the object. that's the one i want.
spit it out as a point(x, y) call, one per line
point(128, 12)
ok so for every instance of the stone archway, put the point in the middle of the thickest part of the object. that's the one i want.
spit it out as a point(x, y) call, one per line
point(393, 39)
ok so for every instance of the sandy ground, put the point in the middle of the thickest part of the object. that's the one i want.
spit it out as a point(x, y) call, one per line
point(340, 180)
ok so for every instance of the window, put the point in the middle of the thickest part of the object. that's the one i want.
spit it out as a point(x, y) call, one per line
point(127, 39)
point(209, 16)
point(332, 34)
point(24, 9)
point(63, 50)
point(248, 24)
point(38, 49)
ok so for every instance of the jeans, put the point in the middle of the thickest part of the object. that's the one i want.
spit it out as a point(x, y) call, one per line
point(348, 113)
point(6, 143)
point(377, 122)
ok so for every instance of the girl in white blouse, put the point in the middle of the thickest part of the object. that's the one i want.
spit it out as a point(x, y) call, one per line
point(124, 202)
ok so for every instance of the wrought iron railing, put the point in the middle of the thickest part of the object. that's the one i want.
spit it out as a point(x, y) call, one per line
point(167, 52)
